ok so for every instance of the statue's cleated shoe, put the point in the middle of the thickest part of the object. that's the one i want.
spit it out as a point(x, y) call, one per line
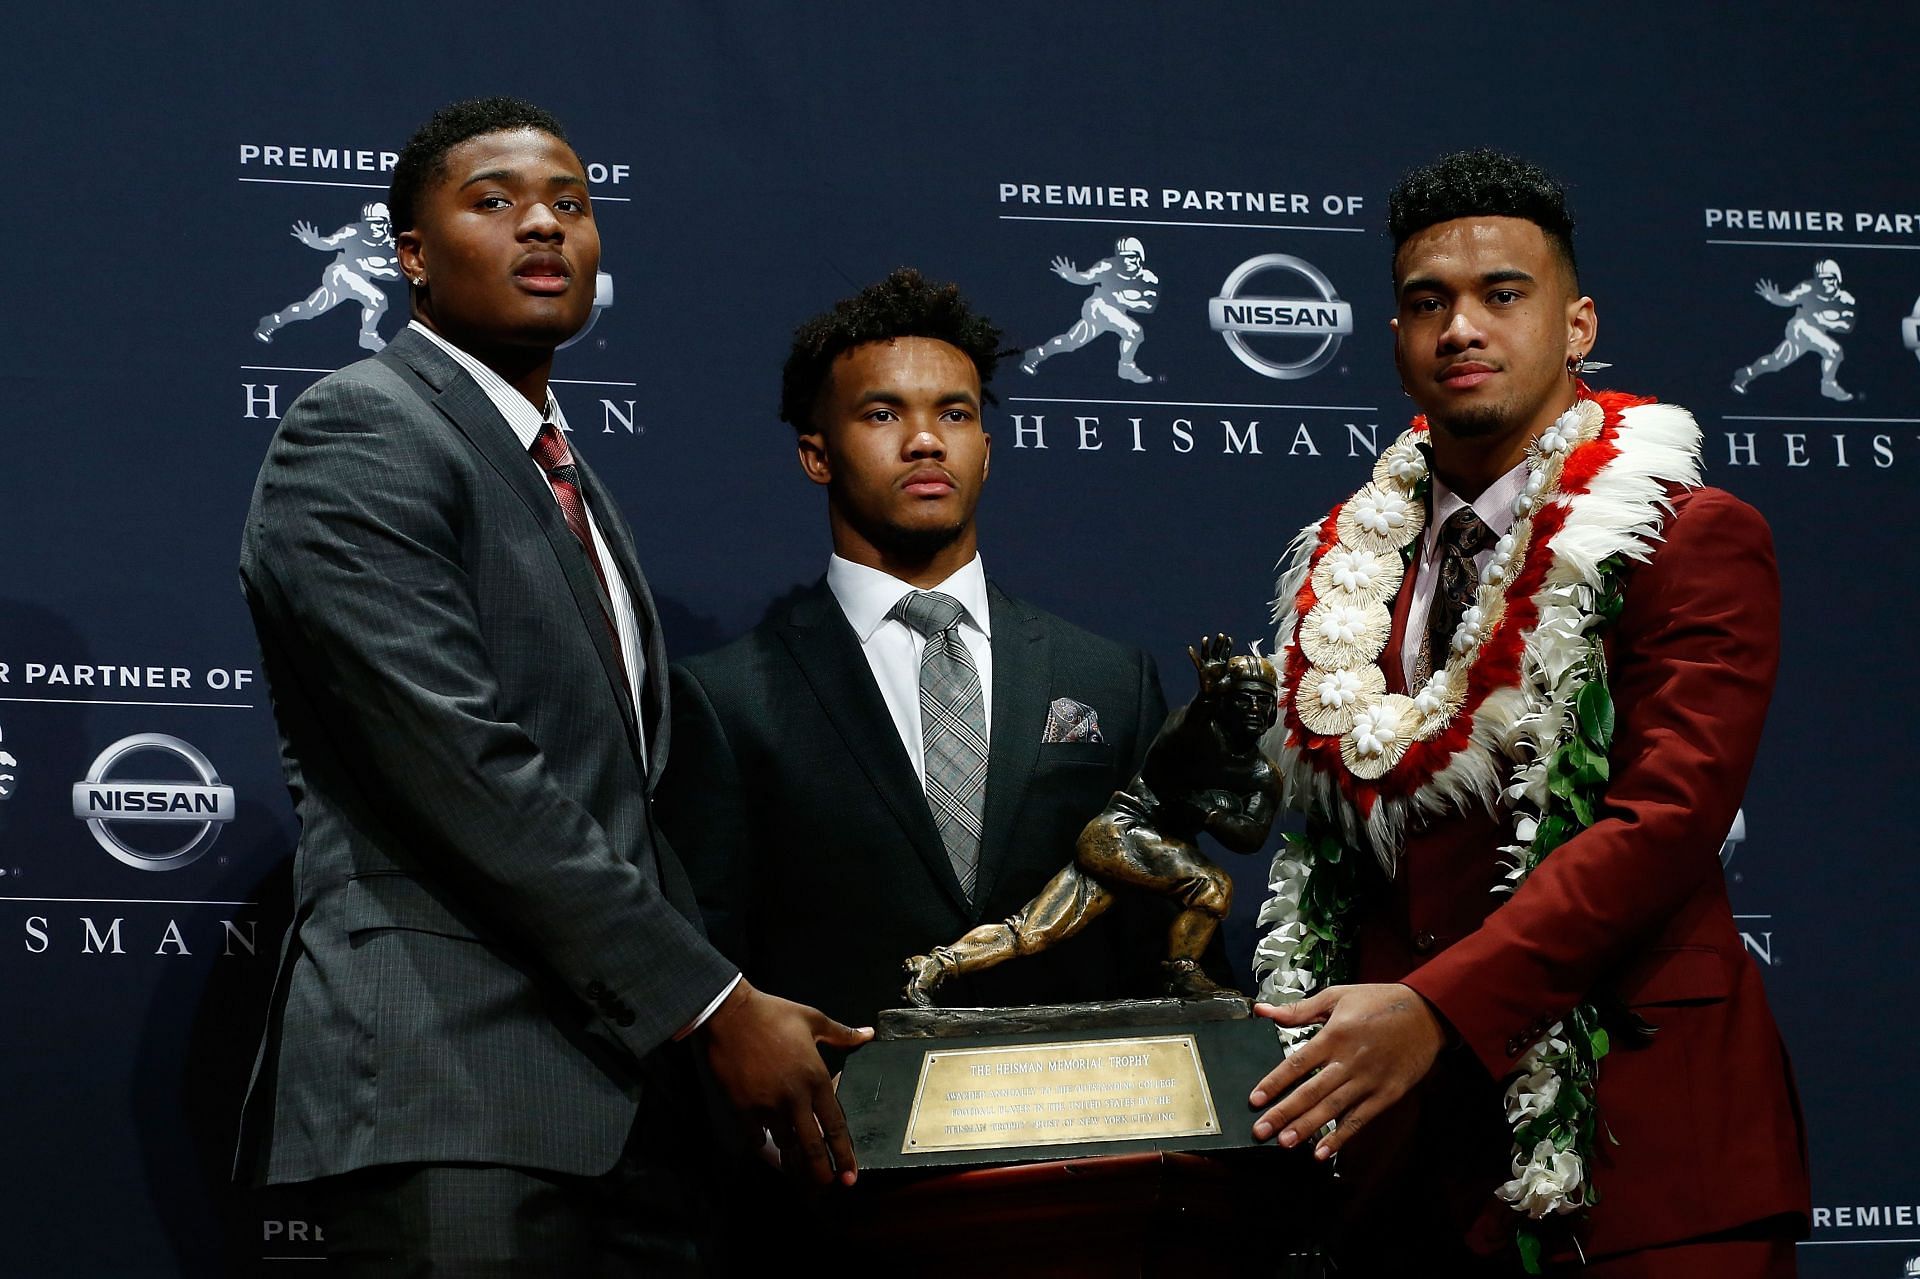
point(1186, 981)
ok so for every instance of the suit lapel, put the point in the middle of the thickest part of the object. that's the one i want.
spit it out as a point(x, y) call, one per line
point(1390, 664)
point(828, 654)
point(1021, 669)
point(461, 400)
point(653, 689)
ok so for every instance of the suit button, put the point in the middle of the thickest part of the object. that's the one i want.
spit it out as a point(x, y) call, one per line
point(596, 989)
point(624, 1017)
point(1423, 943)
point(1513, 1047)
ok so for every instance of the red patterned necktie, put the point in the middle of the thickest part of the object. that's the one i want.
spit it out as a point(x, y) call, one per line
point(1462, 537)
point(550, 450)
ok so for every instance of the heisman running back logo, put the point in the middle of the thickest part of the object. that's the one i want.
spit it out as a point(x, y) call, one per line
point(1122, 289)
point(1821, 309)
point(363, 254)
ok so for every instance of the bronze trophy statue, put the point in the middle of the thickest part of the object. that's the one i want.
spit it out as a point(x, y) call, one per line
point(1158, 1079)
point(1204, 772)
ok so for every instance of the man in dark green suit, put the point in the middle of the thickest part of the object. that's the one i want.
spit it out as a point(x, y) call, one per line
point(853, 783)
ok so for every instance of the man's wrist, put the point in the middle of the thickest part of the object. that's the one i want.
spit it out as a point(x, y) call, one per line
point(1449, 1037)
point(713, 1006)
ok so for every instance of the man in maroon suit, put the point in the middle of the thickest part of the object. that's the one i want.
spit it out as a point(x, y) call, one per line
point(1435, 625)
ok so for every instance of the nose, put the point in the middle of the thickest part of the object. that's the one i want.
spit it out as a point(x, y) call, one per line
point(1462, 333)
point(539, 222)
point(926, 442)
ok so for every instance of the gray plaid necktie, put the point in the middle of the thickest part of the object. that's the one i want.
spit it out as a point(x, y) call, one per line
point(953, 729)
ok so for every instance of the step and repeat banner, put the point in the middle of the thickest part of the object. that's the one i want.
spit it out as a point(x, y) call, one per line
point(201, 233)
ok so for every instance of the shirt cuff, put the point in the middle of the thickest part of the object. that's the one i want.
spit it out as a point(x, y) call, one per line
point(709, 1010)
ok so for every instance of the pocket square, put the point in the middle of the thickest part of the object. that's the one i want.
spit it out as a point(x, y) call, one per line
point(1071, 721)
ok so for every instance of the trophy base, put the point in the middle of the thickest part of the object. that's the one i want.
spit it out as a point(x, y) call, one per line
point(961, 1087)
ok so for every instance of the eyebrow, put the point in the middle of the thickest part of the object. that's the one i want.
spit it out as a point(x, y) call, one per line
point(509, 175)
point(895, 398)
point(1511, 275)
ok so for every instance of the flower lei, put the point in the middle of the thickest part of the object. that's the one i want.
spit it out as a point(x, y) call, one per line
point(1519, 715)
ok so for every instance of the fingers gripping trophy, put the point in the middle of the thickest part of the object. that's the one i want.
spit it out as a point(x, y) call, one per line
point(1204, 773)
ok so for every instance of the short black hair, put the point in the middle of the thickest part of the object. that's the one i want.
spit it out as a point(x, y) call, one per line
point(424, 158)
point(1482, 183)
point(904, 305)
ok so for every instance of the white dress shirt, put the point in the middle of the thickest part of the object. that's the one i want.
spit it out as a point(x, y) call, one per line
point(1495, 509)
point(893, 649)
point(526, 422)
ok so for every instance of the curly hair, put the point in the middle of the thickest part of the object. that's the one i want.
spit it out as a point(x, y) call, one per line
point(904, 305)
point(424, 158)
point(1482, 183)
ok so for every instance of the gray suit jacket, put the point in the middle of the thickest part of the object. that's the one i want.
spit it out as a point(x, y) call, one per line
point(489, 935)
point(808, 834)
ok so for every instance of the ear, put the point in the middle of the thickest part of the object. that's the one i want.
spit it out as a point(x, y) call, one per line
point(986, 457)
point(812, 450)
point(412, 255)
point(1583, 327)
point(1393, 323)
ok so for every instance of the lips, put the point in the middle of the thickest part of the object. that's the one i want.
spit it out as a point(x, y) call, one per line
point(1467, 373)
point(929, 482)
point(543, 273)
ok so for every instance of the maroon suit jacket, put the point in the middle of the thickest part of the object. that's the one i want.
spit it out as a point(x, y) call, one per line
point(1705, 1116)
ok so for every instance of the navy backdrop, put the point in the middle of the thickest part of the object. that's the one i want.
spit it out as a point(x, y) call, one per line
point(751, 164)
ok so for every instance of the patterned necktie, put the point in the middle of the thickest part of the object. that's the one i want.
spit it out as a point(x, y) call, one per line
point(550, 450)
point(953, 729)
point(1462, 537)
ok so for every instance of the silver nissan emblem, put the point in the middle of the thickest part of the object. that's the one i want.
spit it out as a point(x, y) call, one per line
point(1321, 315)
point(104, 802)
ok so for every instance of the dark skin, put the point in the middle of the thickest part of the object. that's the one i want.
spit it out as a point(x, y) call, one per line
point(762, 1050)
point(503, 251)
point(506, 243)
point(1488, 316)
point(898, 442)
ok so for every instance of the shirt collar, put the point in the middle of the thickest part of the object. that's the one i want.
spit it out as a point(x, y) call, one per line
point(1494, 506)
point(512, 405)
point(867, 595)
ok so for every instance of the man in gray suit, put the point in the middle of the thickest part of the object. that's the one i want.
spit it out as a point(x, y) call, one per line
point(473, 1056)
